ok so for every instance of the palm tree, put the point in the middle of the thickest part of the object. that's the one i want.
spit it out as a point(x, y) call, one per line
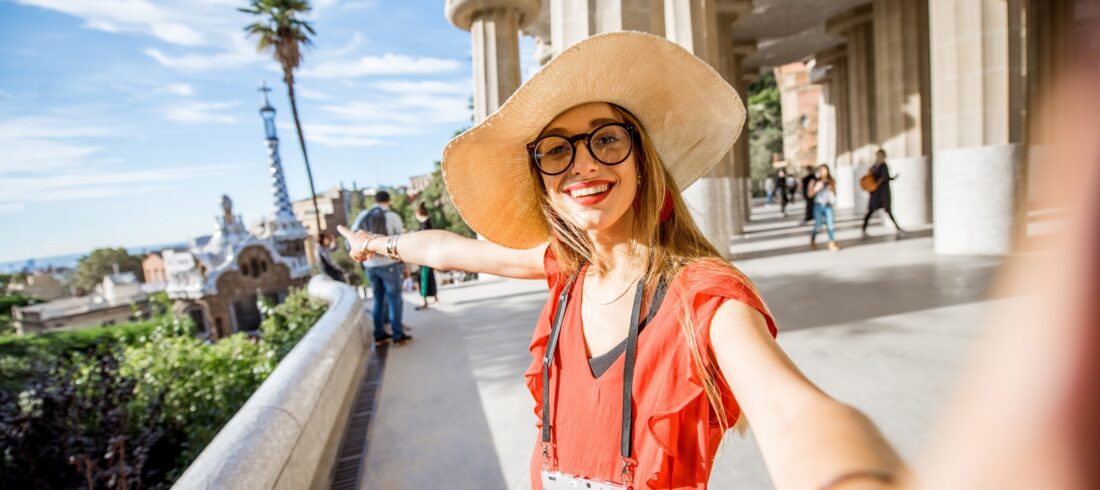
point(280, 31)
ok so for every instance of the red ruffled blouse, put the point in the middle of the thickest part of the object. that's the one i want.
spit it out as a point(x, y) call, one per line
point(676, 435)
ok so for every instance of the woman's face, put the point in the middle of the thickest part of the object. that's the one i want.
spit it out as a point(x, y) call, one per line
point(615, 186)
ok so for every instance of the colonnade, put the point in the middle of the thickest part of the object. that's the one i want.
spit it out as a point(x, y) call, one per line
point(943, 86)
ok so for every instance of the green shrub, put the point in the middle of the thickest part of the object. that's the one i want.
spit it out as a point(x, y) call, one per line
point(20, 353)
point(151, 390)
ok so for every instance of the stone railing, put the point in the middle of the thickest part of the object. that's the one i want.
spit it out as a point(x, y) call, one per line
point(287, 434)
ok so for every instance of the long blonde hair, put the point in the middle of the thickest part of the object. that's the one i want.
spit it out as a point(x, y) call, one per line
point(669, 246)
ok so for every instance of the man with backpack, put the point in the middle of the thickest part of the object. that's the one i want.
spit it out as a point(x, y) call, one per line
point(384, 273)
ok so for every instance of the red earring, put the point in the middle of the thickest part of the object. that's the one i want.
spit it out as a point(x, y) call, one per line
point(666, 209)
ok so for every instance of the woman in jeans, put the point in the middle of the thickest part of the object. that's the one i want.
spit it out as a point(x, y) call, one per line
point(823, 194)
point(650, 345)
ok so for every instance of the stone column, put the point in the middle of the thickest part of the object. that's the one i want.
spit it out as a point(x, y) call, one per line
point(742, 165)
point(494, 29)
point(977, 124)
point(693, 24)
point(840, 153)
point(731, 56)
point(902, 104)
point(572, 21)
point(826, 114)
point(855, 27)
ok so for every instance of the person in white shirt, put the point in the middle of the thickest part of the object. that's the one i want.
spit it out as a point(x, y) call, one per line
point(384, 273)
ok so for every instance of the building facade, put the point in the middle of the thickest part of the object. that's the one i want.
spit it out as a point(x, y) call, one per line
point(117, 299)
point(39, 285)
point(799, 99)
point(333, 206)
point(948, 88)
point(220, 280)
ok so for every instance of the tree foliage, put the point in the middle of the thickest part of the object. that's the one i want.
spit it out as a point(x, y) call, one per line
point(92, 268)
point(7, 302)
point(441, 209)
point(765, 125)
point(132, 406)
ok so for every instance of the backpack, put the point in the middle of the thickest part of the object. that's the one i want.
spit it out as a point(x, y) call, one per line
point(375, 222)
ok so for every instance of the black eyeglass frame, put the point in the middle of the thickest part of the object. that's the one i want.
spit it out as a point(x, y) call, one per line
point(631, 131)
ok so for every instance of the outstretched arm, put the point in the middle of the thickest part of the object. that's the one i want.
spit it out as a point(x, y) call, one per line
point(444, 250)
point(808, 439)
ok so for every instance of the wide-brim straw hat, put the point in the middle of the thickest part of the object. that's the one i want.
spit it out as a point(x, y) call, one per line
point(691, 114)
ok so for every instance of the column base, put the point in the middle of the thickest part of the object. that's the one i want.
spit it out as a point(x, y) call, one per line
point(911, 193)
point(974, 196)
point(846, 186)
point(707, 201)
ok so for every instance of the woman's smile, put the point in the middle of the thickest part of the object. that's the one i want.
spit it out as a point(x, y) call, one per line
point(590, 192)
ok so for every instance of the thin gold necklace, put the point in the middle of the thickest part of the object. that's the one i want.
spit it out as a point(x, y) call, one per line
point(620, 295)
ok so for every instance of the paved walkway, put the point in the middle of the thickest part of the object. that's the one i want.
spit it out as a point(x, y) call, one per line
point(883, 325)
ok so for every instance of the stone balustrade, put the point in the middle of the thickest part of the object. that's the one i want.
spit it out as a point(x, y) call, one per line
point(287, 434)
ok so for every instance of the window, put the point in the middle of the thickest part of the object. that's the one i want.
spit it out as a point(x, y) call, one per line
point(244, 270)
point(263, 266)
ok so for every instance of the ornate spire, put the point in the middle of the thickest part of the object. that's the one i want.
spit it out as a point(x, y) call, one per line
point(283, 225)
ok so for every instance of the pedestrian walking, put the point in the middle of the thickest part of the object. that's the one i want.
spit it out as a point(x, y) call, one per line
point(783, 190)
point(426, 275)
point(323, 256)
point(823, 194)
point(584, 193)
point(807, 185)
point(769, 188)
point(877, 182)
point(385, 273)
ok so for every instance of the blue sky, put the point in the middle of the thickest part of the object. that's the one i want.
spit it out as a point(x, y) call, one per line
point(122, 122)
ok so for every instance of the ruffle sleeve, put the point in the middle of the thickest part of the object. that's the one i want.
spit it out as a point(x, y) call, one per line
point(541, 336)
point(681, 404)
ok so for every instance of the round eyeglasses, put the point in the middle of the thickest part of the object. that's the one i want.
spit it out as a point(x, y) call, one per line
point(609, 144)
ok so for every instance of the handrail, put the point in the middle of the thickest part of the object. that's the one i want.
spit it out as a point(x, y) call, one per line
point(286, 434)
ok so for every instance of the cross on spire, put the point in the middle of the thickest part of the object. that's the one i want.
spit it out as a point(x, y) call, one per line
point(265, 89)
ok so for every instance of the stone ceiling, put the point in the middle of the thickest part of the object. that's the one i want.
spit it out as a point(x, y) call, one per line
point(789, 30)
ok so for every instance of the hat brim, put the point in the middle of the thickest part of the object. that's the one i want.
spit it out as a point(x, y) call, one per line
point(691, 114)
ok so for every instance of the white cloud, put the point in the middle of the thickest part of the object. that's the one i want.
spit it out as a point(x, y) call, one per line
point(371, 121)
point(423, 87)
point(322, 7)
point(311, 94)
point(101, 25)
point(27, 154)
point(181, 89)
point(195, 112)
point(84, 183)
point(214, 24)
point(166, 20)
point(195, 62)
point(411, 109)
point(50, 158)
point(177, 33)
point(388, 64)
point(46, 142)
point(49, 127)
point(345, 134)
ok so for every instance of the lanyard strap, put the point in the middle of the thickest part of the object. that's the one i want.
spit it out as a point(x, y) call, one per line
point(628, 364)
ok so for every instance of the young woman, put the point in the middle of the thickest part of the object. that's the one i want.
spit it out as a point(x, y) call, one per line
point(426, 276)
point(577, 179)
point(880, 197)
point(823, 194)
